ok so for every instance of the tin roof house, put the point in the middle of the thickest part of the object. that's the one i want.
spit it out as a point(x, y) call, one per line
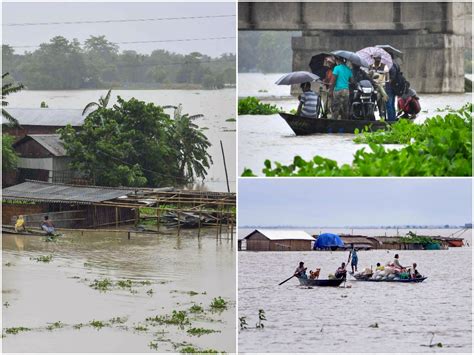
point(278, 240)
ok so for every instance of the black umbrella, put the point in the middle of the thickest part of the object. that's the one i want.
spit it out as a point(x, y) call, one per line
point(351, 57)
point(317, 64)
point(297, 77)
point(392, 50)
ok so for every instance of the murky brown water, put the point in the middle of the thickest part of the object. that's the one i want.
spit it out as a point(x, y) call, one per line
point(269, 137)
point(217, 106)
point(38, 293)
point(339, 319)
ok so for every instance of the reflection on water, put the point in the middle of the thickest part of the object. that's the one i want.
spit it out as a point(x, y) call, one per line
point(217, 106)
point(40, 293)
point(269, 137)
point(339, 319)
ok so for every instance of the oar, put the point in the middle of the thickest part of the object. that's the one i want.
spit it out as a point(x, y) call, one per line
point(281, 283)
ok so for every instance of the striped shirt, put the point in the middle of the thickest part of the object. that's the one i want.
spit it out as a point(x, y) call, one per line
point(310, 102)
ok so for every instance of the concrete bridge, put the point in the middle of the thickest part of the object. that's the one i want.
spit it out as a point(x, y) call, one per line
point(433, 36)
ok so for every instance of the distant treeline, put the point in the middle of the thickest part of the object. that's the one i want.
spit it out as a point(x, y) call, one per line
point(265, 51)
point(98, 63)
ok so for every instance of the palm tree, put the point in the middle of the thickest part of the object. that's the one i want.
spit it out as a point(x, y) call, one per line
point(103, 102)
point(192, 146)
point(7, 89)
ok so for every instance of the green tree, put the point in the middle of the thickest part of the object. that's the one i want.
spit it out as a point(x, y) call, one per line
point(101, 57)
point(103, 102)
point(7, 89)
point(136, 144)
point(9, 156)
point(192, 145)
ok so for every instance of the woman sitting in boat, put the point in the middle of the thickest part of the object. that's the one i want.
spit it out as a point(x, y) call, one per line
point(47, 225)
point(300, 271)
point(308, 102)
point(20, 224)
point(341, 271)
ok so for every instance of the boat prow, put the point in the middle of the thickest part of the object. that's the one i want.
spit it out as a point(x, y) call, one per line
point(305, 125)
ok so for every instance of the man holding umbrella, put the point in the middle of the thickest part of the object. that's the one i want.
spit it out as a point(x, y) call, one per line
point(343, 74)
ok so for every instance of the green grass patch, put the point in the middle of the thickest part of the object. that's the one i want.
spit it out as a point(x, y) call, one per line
point(195, 308)
point(124, 283)
point(179, 318)
point(253, 106)
point(16, 330)
point(219, 303)
point(101, 285)
point(201, 331)
point(43, 258)
point(55, 325)
point(97, 324)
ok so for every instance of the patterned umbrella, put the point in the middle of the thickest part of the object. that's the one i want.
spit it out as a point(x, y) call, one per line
point(369, 52)
point(297, 77)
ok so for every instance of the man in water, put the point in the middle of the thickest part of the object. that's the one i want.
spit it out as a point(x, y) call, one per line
point(343, 74)
point(47, 225)
point(308, 102)
point(300, 271)
point(341, 271)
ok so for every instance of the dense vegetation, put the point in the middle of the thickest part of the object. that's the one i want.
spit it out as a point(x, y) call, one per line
point(97, 63)
point(442, 146)
point(137, 144)
point(9, 156)
point(265, 51)
point(253, 106)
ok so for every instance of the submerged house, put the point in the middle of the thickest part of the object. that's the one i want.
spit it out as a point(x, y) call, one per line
point(43, 157)
point(69, 206)
point(41, 120)
point(278, 240)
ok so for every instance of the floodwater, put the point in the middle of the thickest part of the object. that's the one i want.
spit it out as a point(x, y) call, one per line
point(37, 294)
point(217, 106)
point(336, 320)
point(269, 137)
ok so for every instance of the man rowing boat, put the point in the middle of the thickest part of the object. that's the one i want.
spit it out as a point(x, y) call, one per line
point(300, 271)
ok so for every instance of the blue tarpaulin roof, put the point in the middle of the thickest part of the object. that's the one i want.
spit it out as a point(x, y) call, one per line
point(328, 240)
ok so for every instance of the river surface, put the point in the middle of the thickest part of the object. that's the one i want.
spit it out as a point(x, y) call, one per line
point(269, 137)
point(217, 106)
point(180, 271)
point(337, 320)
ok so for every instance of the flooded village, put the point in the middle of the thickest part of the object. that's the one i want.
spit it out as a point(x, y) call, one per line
point(118, 183)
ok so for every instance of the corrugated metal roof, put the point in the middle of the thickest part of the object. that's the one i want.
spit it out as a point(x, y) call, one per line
point(46, 116)
point(47, 192)
point(280, 234)
point(51, 142)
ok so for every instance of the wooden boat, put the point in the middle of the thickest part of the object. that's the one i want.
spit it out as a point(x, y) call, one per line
point(320, 282)
point(455, 242)
point(305, 126)
point(30, 232)
point(421, 279)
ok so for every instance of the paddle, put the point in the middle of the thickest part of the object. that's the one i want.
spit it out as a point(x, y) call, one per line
point(288, 279)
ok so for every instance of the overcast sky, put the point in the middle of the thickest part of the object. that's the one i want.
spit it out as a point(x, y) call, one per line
point(124, 32)
point(353, 202)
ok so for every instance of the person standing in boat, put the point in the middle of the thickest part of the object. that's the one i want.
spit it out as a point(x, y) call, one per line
point(300, 271)
point(343, 75)
point(308, 106)
point(47, 225)
point(328, 82)
point(379, 71)
point(354, 258)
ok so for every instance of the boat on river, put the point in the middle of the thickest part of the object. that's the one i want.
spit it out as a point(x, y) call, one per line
point(368, 279)
point(320, 282)
point(305, 125)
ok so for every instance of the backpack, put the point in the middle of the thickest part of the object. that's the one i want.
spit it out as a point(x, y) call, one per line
point(397, 81)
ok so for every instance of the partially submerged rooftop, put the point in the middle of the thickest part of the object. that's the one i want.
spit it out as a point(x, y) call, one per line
point(280, 234)
point(46, 116)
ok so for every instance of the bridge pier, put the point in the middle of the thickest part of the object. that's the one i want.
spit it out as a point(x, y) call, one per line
point(432, 62)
